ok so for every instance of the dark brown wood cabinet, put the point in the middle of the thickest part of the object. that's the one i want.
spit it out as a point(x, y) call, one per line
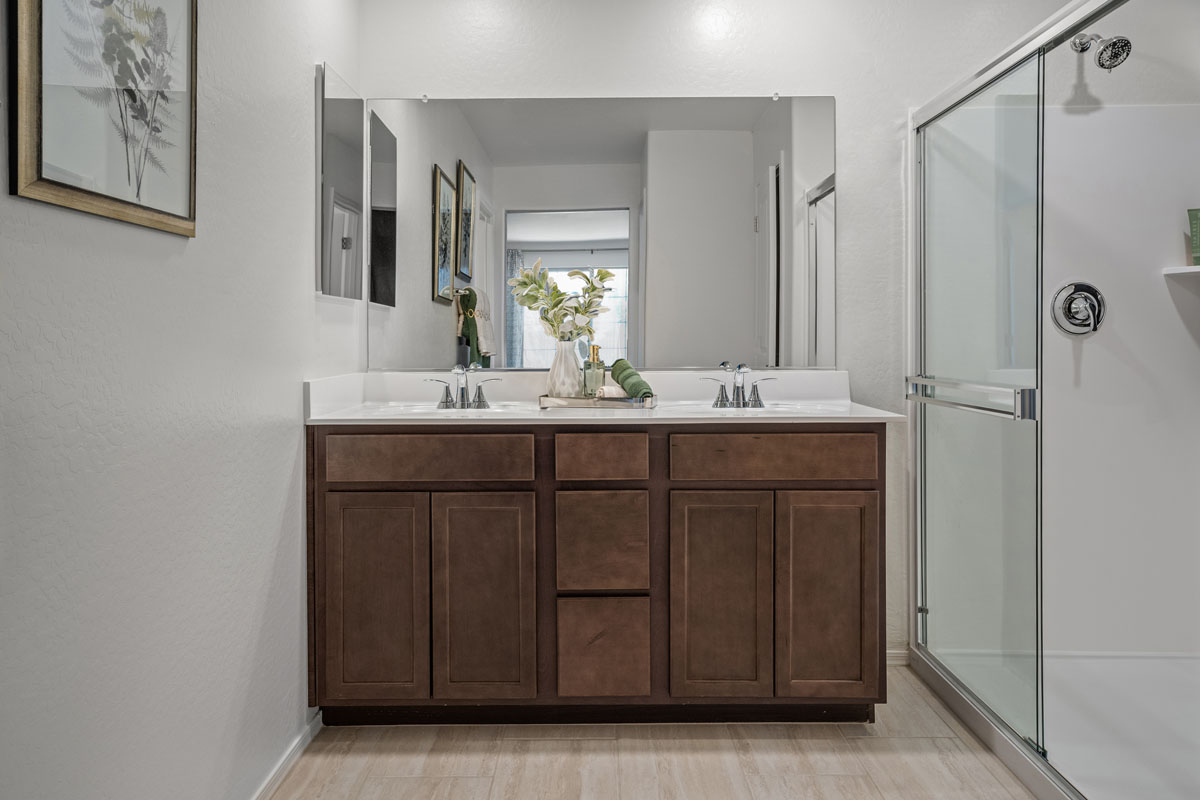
point(721, 588)
point(696, 572)
point(603, 540)
point(377, 596)
point(484, 595)
point(604, 647)
point(827, 601)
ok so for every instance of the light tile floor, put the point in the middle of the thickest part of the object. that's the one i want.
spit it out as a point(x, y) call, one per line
point(917, 750)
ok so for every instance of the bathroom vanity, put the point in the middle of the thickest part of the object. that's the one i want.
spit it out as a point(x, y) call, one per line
point(681, 563)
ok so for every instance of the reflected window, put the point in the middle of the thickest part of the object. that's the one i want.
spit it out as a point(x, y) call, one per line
point(566, 241)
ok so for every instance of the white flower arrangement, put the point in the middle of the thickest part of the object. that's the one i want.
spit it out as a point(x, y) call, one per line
point(565, 316)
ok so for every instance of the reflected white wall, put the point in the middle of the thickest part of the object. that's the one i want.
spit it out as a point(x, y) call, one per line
point(419, 332)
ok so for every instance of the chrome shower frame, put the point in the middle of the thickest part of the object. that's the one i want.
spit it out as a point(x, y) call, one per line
point(1023, 757)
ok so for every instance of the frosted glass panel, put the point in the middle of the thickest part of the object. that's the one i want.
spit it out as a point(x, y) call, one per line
point(980, 538)
point(981, 234)
point(979, 492)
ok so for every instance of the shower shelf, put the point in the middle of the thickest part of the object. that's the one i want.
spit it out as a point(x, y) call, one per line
point(1178, 271)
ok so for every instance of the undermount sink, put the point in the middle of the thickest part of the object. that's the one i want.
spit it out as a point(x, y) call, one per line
point(398, 409)
point(668, 408)
point(795, 407)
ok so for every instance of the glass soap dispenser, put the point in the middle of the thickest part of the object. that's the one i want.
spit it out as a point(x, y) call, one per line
point(593, 372)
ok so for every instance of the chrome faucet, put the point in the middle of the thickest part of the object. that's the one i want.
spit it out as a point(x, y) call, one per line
point(461, 398)
point(462, 394)
point(739, 386)
point(740, 400)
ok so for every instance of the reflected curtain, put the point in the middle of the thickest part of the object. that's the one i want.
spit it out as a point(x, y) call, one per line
point(514, 329)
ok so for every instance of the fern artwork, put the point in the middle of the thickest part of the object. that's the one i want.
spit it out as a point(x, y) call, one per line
point(117, 101)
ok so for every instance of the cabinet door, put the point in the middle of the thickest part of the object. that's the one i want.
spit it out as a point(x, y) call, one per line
point(484, 595)
point(721, 550)
point(827, 595)
point(376, 596)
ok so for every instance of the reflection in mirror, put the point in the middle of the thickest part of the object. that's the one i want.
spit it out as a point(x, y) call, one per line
point(341, 170)
point(383, 213)
point(564, 241)
point(716, 216)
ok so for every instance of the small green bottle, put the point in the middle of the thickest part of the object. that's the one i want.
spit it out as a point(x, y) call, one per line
point(593, 372)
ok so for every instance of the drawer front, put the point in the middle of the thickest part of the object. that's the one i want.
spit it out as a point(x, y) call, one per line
point(378, 458)
point(774, 457)
point(603, 646)
point(603, 540)
point(602, 456)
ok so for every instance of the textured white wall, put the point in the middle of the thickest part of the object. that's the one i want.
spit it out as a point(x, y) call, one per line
point(879, 59)
point(151, 448)
point(700, 269)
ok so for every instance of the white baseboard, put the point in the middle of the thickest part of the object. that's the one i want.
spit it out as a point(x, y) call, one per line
point(897, 658)
point(289, 758)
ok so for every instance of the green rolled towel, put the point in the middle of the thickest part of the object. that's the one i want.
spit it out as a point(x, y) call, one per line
point(630, 379)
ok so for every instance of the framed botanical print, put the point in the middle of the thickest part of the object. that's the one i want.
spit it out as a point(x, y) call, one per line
point(468, 205)
point(443, 236)
point(105, 108)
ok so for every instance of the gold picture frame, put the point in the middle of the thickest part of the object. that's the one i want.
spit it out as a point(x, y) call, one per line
point(468, 210)
point(445, 202)
point(128, 88)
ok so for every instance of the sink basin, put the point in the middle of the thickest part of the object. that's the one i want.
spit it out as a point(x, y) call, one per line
point(394, 409)
point(704, 407)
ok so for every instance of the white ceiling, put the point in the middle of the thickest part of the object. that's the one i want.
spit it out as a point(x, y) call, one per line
point(562, 227)
point(598, 130)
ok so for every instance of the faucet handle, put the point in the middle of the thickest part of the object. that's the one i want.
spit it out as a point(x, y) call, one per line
point(725, 366)
point(479, 401)
point(722, 400)
point(755, 400)
point(447, 400)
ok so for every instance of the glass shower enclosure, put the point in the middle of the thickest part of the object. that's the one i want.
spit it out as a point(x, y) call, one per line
point(976, 393)
point(1054, 377)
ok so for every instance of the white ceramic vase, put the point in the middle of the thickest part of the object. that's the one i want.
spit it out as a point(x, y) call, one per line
point(566, 373)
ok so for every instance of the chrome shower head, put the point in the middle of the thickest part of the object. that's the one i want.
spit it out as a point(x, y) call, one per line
point(1112, 52)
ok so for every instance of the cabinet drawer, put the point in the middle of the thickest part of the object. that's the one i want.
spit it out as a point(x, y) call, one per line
point(774, 457)
point(602, 456)
point(378, 458)
point(603, 540)
point(603, 646)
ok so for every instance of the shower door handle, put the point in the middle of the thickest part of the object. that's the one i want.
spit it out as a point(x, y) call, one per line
point(1023, 400)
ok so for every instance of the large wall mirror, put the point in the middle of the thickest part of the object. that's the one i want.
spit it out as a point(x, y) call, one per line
point(715, 216)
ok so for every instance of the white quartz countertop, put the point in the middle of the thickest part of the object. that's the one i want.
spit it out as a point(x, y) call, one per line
point(404, 398)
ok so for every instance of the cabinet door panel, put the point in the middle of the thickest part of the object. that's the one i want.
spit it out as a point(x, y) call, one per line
point(603, 540)
point(484, 595)
point(827, 602)
point(377, 596)
point(721, 553)
point(603, 646)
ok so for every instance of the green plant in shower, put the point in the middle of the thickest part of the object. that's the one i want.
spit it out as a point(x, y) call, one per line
point(566, 316)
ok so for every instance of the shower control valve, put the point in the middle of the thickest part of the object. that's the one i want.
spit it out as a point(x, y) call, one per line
point(1078, 309)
